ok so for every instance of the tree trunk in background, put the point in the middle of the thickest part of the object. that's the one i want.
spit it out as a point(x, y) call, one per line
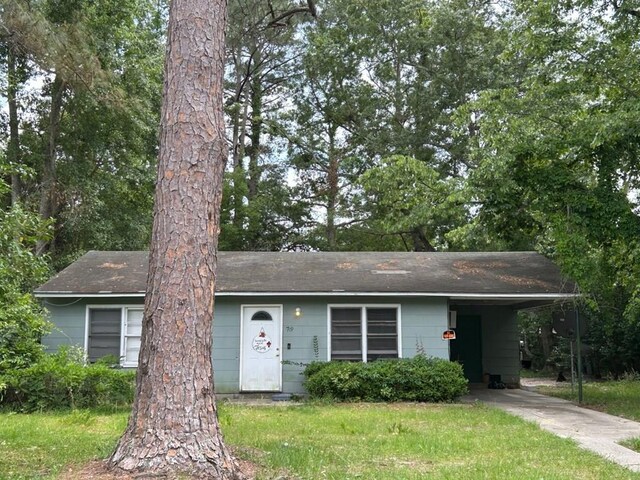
point(420, 241)
point(546, 341)
point(256, 130)
point(333, 191)
point(48, 183)
point(13, 148)
point(174, 426)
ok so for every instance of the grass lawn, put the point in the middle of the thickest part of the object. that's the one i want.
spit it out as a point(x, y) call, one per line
point(347, 441)
point(621, 398)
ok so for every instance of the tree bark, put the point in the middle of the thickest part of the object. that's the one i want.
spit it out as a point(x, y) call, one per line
point(420, 241)
point(13, 147)
point(256, 129)
point(48, 187)
point(174, 427)
point(333, 191)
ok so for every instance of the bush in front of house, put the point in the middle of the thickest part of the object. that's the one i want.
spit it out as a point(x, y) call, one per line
point(417, 379)
point(62, 380)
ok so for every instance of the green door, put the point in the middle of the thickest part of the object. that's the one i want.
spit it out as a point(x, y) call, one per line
point(467, 347)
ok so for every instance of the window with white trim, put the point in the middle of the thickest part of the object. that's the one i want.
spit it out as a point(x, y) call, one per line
point(103, 336)
point(114, 330)
point(363, 333)
point(131, 340)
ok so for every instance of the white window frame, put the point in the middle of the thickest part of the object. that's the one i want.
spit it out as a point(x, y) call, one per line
point(124, 309)
point(363, 324)
point(125, 337)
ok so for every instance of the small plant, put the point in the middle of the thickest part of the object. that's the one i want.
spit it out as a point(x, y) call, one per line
point(398, 428)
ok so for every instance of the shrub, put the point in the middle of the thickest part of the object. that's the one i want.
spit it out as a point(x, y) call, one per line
point(417, 379)
point(62, 380)
point(22, 318)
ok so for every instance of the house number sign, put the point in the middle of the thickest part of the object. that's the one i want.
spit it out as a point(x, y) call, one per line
point(261, 343)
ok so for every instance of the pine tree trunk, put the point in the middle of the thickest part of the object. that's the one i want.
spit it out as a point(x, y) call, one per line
point(174, 425)
point(13, 147)
point(48, 187)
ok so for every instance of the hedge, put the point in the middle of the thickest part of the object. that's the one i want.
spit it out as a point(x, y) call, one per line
point(62, 380)
point(417, 379)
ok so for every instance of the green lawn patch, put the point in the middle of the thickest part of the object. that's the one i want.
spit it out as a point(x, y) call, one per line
point(615, 397)
point(341, 442)
point(40, 445)
point(632, 443)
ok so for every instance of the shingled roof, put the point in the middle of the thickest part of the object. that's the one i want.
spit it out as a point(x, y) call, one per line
point(456, 275)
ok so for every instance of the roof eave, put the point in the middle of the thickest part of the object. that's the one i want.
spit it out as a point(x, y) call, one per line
point(335, 293)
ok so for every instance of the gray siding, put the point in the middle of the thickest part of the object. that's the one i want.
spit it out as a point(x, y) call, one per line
point(68, 316)
point(303, 339)
point(422, 323)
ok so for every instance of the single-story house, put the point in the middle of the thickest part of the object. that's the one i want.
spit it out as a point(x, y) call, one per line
point(275, 311)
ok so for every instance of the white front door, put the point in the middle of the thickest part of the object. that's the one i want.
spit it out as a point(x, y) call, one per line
point(260, 367)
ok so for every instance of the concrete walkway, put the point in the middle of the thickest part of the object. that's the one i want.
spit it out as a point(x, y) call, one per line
point(595, 431)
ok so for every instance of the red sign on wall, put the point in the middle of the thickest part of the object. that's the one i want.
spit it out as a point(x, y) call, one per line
point(449, 335)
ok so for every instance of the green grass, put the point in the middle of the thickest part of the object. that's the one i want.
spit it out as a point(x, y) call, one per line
point(530, 373)
point(39, 445)
point(621, 398)
point(350, 441)
point(632, 443)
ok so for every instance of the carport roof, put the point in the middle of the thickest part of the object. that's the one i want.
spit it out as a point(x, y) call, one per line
point(458, 275)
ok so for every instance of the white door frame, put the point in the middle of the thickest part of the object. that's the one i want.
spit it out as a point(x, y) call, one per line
point(242, 322)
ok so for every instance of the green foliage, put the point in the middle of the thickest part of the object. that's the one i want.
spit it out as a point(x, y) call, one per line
point(22, 319)
point(417, 379)
point(105, 59)
point(556, 159)
point(62, 380)
point(407, 195)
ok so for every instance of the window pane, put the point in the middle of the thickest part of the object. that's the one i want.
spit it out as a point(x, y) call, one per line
point(132, 349)
point(346, 334)
point(262, 315)
point(104, 333)
point(382, 333)
point(134, 322)
point(132, 335)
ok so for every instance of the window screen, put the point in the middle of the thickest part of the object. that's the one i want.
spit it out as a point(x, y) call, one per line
point(346, 334)
point(382, 333)
point(104, 333)
point(380, 325)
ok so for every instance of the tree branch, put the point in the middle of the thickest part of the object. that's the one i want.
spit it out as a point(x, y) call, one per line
point(310, 8)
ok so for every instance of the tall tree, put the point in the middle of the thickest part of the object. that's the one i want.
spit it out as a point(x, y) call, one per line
point(557, 156)
point(174, 424)
point(88, 119)
point(257, 213)
point(381, 79)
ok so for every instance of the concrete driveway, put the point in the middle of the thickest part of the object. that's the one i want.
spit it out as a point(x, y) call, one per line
point(595, 431)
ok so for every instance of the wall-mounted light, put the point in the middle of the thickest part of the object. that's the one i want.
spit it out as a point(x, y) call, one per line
point(297, 313)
